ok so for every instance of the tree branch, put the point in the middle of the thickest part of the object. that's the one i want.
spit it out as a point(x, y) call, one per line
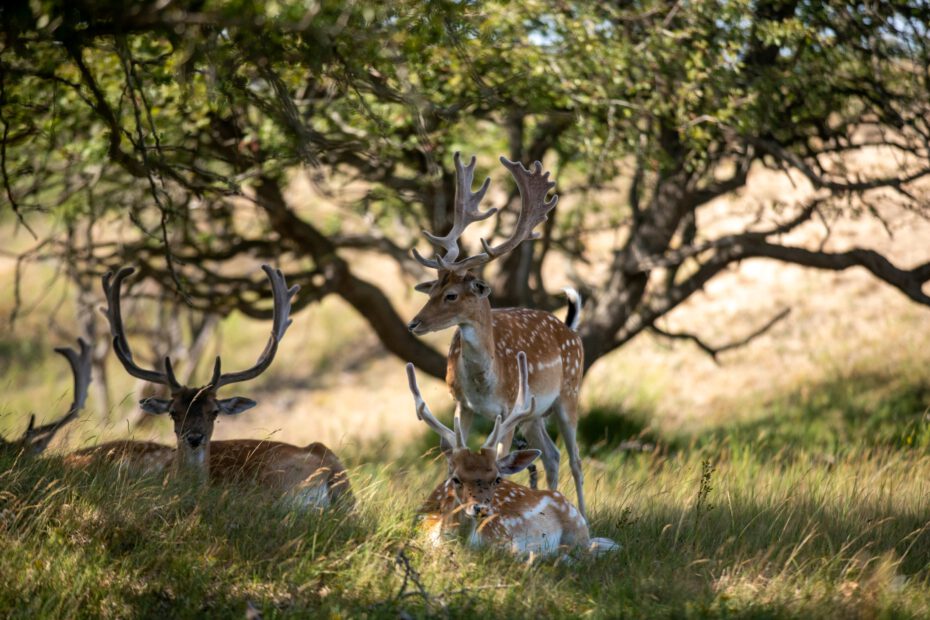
point(713, 351)
point(908, 281)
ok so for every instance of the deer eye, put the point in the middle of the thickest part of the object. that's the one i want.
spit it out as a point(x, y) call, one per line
point(456, 481)
point(497, 480)
point(452, 296)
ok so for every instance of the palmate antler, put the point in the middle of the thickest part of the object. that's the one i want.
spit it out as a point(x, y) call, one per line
point(39, 437)
point(280, 321)
point(534, 209)
point(283, 297)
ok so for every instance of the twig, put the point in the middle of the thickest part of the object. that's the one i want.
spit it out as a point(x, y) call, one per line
point(715, 351)
point(133, 84)
point(6, 177)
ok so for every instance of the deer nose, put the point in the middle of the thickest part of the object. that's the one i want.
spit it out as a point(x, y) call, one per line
point(412, 325)
point(474, 510)
point(194, 439)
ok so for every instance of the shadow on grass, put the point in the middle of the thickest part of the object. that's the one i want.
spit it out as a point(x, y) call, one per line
point(863, 410)
point(98, 543)
point(870, 410)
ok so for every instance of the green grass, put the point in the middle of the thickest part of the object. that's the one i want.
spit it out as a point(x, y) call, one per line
point(809, 503)
point(767, 519)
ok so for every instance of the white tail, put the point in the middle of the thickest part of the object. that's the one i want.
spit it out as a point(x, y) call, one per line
point(573, 318)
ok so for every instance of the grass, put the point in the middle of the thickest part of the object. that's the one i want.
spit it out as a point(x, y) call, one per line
point(725, 525)
point(811, 500)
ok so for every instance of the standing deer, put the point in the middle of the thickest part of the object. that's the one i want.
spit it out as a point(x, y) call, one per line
point(481, 369)
point(194, 409)
point(493, 511)
point(37, 439)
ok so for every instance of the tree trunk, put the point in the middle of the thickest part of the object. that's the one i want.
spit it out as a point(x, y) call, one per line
point(370, 302)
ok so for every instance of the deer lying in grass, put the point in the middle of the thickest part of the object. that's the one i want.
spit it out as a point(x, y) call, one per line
point(194, 409)
point(481, 363)
point(310, 476)
point(478, 502)
point(36, 439)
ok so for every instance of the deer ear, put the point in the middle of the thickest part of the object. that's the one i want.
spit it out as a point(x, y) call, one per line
point(480, 288)
point(155, 406)
point(517, 461)
point(425, 287)
point(234, 405)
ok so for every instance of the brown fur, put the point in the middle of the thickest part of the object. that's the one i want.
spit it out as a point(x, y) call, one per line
point(512, 516)
point(143, 457)
point(313, 472)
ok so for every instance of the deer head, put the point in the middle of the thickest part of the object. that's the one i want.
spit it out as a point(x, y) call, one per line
point(194, 410)
point(456, 295)
point(37, 438)
point(475, 475)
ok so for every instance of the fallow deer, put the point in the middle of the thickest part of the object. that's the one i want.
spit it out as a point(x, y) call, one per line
point(194, 409)
point(36, 439)
point(489, 510)
point(310, 476)
point(481, 367)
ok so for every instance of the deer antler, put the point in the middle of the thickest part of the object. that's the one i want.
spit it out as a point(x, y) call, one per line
point(283, 297)
point(111, 288)
point(465, 213)
point(453, 437)
point(522, 410)
point(39, 437)
point(281, 320)
point(534, 209)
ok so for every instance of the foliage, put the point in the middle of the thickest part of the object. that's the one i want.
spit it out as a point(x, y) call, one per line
point(182, 122)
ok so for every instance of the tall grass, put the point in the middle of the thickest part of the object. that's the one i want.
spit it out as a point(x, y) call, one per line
point(814, 502)
point(714, 529)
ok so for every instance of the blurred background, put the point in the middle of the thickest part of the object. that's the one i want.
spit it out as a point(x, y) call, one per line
point(743, 206)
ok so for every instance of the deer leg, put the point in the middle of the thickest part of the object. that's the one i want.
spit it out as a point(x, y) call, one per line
point(520, 443)
point(564, 418)
point(538, 438)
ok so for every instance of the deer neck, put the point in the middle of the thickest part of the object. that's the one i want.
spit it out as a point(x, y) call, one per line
point(478, 362)
point(194, 462)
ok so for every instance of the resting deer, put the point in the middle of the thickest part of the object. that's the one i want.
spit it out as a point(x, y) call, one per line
point(311, 476)
point(482, 358)
point(194, 409)
point(37, 439)
point(493, 511)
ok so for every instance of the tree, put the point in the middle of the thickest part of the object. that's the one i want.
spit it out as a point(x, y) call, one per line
point(182, 120)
